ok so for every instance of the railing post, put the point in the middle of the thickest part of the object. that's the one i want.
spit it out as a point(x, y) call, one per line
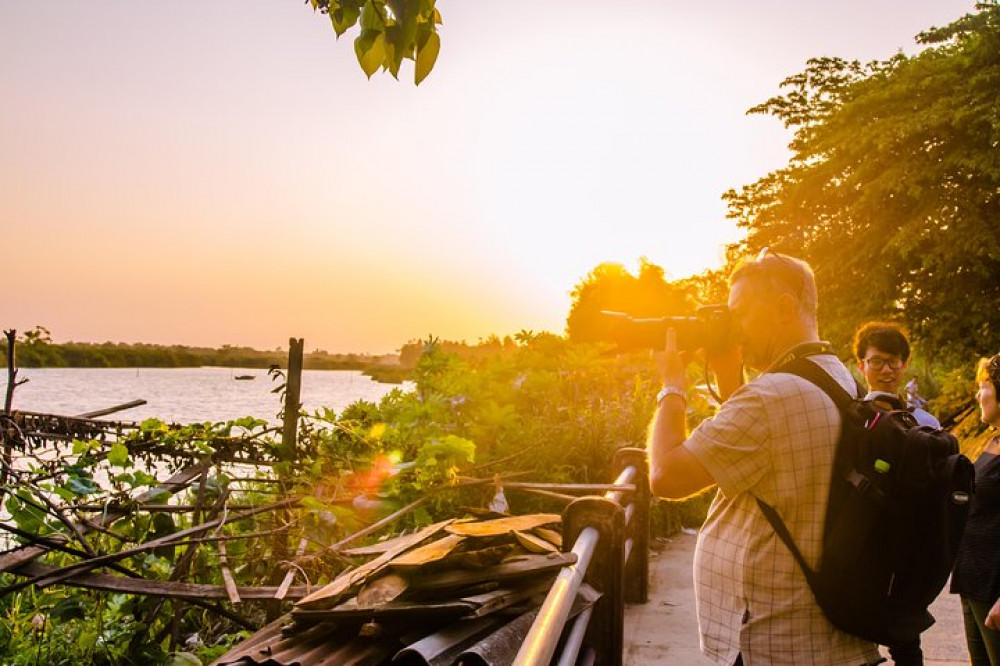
point(637, 565)
point(605, 632)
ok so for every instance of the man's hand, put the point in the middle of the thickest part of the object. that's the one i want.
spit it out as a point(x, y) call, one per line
point(671, 364)
point(673, 471)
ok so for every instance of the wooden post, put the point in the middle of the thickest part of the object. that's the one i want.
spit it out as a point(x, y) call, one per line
point(11, 336)
point(289, 444)
point(293, 392)
point(637, 566)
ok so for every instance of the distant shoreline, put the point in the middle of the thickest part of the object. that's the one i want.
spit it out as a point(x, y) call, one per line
point(39, 354)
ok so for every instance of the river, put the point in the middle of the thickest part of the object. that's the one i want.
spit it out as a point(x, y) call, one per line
point(184, 395)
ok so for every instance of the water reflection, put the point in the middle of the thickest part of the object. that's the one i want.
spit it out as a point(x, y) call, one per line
point(186, 395)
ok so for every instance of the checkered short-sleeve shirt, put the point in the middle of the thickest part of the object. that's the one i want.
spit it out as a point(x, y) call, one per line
point(773, 439)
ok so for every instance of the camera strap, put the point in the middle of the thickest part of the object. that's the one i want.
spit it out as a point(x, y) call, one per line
point(800, 351)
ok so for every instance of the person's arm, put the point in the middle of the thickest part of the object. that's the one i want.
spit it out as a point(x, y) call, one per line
point(728, 368)
point(673, 470)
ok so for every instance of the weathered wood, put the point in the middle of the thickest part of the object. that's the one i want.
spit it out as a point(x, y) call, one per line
point(552, 536)
point(500, 526)
point(394, 610)
point(17, 557)
point(293, 391)
point(431, 552)
point(227, 575)
point(156, 588)
point(534, 544)
point(111, 410)
point(382, 589)
point(518, 567)
point(290, 574)
point(347, 580)
point(571, 487)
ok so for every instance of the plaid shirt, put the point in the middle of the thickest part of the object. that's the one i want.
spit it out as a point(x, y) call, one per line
point(773, 439)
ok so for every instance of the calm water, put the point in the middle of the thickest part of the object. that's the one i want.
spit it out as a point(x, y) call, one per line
point(183, 395)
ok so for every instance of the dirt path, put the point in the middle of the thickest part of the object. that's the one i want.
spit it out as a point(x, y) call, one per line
point(664, 632)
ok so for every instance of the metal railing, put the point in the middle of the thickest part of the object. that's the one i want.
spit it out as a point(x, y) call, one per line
point(610, 537)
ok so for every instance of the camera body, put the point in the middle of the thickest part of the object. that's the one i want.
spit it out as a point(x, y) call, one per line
point(709, 329)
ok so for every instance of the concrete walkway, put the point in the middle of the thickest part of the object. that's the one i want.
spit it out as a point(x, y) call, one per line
point(664, 632)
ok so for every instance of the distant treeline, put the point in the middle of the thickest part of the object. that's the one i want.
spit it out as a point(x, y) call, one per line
point(34, 352)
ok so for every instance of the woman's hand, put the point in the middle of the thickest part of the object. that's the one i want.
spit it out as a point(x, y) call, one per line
point(993, 617)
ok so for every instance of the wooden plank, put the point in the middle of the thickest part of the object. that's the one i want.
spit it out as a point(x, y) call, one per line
point(382, 589)
point(552, 536)
point(290, 575)
point(111, 410)
point(227, 575)
point(504, 525)
point(17, 557)
point(431, 552)
point(155, 588)
point(347, 580)
point(394, 610)
point(517, 567)
point(534, 544)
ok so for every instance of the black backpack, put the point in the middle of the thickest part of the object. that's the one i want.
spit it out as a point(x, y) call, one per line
point(898, 503)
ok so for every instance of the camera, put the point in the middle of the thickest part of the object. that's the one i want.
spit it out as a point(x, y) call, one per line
point(709, 329)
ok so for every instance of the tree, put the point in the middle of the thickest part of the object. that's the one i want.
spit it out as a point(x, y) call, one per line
point(391, 30)
point(893, 189)
point(611, 287)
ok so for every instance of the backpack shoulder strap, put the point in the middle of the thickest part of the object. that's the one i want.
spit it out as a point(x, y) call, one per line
point(786, 537)
point(806, 369)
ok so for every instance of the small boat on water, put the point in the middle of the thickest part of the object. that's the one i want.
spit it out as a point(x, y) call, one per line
point(244, 376)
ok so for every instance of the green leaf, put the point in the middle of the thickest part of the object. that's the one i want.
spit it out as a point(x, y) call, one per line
point(426, 57)
point(63, 493)
point(345, 17)
point(118, 455)
point(372, 56)
point(80, 485)
point(372, 17)
point(157, 495)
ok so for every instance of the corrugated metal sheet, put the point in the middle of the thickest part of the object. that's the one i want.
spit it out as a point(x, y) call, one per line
point(462, 641)
point(489, 641)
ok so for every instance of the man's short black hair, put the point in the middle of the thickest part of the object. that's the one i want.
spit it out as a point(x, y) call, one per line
point(884, 336)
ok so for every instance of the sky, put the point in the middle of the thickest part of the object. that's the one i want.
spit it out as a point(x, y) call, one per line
point(209, 173)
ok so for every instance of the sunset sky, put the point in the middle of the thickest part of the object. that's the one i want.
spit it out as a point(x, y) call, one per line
point(209, 173)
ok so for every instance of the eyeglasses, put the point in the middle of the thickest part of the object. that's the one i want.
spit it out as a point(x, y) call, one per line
point(879, 362)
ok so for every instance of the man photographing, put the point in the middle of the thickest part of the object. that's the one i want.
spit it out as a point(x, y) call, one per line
point(773, 438)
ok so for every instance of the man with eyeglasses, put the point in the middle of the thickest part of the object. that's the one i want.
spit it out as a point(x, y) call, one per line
point(883, 354)
point(773, 438)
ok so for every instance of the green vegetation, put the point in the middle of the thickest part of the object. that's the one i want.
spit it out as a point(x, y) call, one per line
point(893, 189)
point(35, 349)
point(539, 408)
point(391, 30)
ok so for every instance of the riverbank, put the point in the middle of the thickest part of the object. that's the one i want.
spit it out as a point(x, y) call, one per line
point(664, 631)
